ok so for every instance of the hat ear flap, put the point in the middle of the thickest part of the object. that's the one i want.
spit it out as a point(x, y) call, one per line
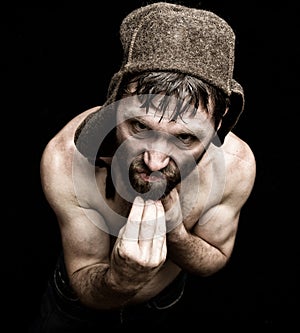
point(231, 117)
point(96, 134)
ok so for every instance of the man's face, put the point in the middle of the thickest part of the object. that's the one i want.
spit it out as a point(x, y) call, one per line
point(155, 152)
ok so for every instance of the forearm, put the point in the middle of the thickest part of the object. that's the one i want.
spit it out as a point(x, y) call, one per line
point(193, 254)
point(99, 287)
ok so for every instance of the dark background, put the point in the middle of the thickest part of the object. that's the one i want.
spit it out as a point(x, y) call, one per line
point(57, 61)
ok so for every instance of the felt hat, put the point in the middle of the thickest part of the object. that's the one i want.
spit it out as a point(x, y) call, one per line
point(170, 37)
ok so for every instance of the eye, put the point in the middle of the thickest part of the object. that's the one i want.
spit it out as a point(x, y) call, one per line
point(186, 138)
point(137, 126)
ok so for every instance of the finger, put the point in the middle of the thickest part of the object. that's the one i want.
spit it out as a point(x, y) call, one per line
point(132, 227)
point(173, 212)
point(159, 247)
point(147, 231)
point(148, 225)
point(171, 199)
point(160, 229)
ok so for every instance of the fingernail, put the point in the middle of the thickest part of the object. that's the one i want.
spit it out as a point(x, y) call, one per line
point(139, 200)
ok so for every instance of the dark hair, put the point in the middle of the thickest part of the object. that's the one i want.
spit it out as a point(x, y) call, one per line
point(189, 90)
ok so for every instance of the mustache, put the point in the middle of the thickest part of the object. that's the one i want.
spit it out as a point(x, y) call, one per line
point(170, 171)
point(169, 176)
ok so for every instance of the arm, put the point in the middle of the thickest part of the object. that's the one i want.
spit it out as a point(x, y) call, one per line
point(137, 255)
point(101, 278)
point(207, 246)
point(204, 249)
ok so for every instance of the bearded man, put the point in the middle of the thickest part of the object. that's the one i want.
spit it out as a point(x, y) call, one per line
point(148, 187)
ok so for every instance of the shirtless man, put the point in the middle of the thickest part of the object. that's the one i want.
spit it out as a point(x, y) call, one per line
point(148, 187)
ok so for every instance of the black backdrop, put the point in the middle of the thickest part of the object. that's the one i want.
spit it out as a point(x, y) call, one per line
point(57, 62)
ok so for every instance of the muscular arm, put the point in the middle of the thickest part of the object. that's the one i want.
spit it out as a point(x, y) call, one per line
point(137, 255)
point(205, 249)
point(97, 276)
point(207, 246)
point(103, 275)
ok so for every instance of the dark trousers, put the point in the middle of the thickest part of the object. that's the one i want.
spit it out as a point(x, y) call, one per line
point(61, 312)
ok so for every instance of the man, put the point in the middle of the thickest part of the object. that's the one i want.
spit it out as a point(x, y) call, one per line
point(148, 187)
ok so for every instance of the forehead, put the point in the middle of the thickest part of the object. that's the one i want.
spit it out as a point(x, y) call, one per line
point(133, 107)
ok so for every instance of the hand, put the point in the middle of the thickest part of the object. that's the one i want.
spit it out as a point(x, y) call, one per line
point(173, 211)
point(141, 246)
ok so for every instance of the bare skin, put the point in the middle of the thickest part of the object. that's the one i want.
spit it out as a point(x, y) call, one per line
point(152, 240)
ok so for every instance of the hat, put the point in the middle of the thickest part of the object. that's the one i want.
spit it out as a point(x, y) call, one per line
point(170, 37)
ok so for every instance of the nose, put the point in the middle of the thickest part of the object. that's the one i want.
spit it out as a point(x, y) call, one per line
point(156, 160)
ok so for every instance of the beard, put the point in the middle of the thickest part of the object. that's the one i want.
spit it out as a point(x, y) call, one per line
point(154, 185)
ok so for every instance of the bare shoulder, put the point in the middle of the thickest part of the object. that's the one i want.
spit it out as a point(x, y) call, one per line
point(57, 158)
point(61, 147)
point(238, 148)
point(241, 164)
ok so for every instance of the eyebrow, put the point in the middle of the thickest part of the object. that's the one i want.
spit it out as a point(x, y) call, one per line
point(138, 110)
point(178, 131)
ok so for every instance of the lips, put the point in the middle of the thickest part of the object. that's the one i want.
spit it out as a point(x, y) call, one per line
point(153, 177)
